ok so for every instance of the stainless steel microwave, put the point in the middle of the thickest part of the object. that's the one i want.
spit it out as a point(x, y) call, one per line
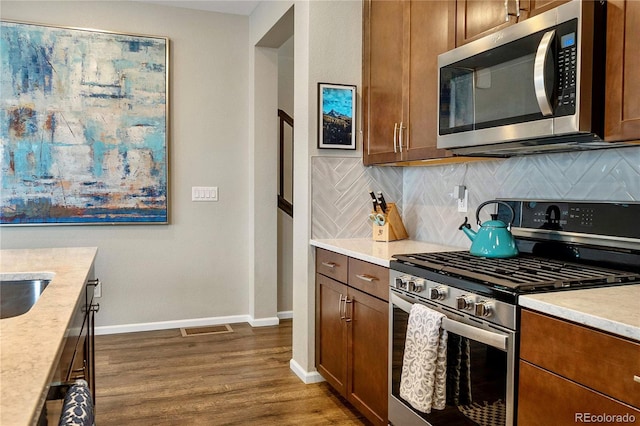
point(536, 86)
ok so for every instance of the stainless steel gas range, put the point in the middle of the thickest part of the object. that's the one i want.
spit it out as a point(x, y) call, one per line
point(563, 245)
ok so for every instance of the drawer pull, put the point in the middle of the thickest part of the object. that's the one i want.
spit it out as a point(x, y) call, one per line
point(636, 379)
point(366, 278)
point(329, 264)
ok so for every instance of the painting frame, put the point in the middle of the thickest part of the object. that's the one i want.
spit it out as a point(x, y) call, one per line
point(337, 116)
point(85, 133)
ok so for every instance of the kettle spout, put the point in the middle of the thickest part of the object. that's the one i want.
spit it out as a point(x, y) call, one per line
point(466, 228)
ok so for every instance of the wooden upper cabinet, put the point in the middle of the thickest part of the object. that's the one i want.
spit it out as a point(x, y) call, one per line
point(536, 7)
point(432, 33)
point(477, 18)
point(401, 44)
point(622, 105)
point(383, 53)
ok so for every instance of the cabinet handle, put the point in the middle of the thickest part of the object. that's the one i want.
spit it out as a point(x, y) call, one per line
point(518, 9)
point(329, 264)
point(395, 137)
point(367, 278)
point(340, 300)
point(636, 379)
point(346, 300)
point(401, 138)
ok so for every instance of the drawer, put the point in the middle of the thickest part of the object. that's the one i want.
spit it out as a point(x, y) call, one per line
point(600, 361)
point(331, 264)
point(564, 402)
point(370, 278)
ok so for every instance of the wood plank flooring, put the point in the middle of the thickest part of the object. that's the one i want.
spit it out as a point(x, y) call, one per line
point(240, 378)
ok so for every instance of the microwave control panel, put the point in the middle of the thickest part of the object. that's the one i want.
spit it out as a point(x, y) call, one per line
point(567, 66)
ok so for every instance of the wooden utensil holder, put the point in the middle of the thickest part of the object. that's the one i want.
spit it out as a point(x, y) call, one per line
point(393, 228)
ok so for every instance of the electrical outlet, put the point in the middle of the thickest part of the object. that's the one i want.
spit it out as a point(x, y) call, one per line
point(97, 290)
point(462, 202)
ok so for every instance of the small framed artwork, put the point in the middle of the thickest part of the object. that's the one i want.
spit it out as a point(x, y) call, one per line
point(336, 116)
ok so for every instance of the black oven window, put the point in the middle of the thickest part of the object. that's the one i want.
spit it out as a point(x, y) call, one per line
point(476, 379)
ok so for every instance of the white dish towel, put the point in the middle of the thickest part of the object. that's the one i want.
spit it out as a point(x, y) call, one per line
point(424, 366)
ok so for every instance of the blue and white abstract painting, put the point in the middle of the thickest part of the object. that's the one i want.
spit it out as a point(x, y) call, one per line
point(83, 126)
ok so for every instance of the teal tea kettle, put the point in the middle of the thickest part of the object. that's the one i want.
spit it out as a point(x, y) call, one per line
point(493, 238)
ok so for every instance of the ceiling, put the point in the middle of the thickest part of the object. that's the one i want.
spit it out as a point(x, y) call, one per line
point(235, 7)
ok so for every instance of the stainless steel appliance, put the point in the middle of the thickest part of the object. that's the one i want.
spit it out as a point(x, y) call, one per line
point(563, 246)
point(533, 87)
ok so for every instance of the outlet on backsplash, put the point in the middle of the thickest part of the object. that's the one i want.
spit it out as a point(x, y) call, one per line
point(461, 194)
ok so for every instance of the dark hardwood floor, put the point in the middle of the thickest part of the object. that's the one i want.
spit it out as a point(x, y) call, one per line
point(239, 378)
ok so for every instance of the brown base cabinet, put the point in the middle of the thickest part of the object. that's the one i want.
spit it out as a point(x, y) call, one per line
point(575, 373)
point(352, 331)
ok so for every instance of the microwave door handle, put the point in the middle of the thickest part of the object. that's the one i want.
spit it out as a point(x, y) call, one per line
point(539, 82)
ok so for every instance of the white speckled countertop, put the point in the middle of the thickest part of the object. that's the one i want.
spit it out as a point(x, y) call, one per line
point(379, 252)
point(30, 344)
point(610, 309)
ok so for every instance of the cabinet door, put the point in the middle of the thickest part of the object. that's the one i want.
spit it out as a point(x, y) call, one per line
point(383, 51)
point(432, 26)
point(477, 18)
point(368, 355)
point(331, 332)
point(536, 7)
point(622, 108)
point(564, 402)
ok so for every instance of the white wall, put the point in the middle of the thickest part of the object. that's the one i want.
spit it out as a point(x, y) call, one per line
point(196, 267)
point(285, 222)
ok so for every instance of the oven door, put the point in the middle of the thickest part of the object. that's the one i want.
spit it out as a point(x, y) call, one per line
point(480, 369)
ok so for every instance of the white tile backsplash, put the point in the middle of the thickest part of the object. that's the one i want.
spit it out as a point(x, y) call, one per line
point(341, 202)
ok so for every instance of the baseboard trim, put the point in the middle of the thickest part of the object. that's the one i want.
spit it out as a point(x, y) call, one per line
point(264, 322)
point(195, 322)
point(285, 315)
point(304, 375)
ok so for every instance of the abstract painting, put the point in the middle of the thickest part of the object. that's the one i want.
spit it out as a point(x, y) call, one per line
point(83, 126)
point(336, 121)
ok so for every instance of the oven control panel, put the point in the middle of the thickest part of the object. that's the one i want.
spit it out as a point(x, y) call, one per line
point(615, 219)
point(455, 299)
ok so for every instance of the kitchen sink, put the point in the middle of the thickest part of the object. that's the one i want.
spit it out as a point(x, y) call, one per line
point(18, 296)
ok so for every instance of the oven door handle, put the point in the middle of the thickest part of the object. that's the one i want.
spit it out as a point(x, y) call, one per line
point(496, 340)
point(483, 336)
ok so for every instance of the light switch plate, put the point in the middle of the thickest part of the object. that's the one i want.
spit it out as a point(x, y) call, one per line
point(204, 193)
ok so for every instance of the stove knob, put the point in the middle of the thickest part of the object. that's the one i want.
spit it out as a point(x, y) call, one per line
point(437, 293)
point(465, 303)
point(484, 309)
point(416, 285)
point(402, 282)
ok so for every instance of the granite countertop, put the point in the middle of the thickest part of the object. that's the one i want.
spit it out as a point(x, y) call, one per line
point(30, 344)
point(378, 252)
point(610, 309)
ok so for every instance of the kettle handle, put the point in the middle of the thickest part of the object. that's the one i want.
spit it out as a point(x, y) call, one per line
point(513, 214)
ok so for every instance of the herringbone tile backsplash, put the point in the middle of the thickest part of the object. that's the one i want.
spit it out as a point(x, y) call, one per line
point(341, 202)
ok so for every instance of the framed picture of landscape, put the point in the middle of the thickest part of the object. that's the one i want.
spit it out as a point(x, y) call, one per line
point(336, 116)
point(83, 126)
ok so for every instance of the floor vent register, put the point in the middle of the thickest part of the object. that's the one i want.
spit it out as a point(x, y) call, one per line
point(210, 329)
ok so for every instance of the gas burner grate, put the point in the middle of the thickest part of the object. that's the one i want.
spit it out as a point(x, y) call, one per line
point(522, 273)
